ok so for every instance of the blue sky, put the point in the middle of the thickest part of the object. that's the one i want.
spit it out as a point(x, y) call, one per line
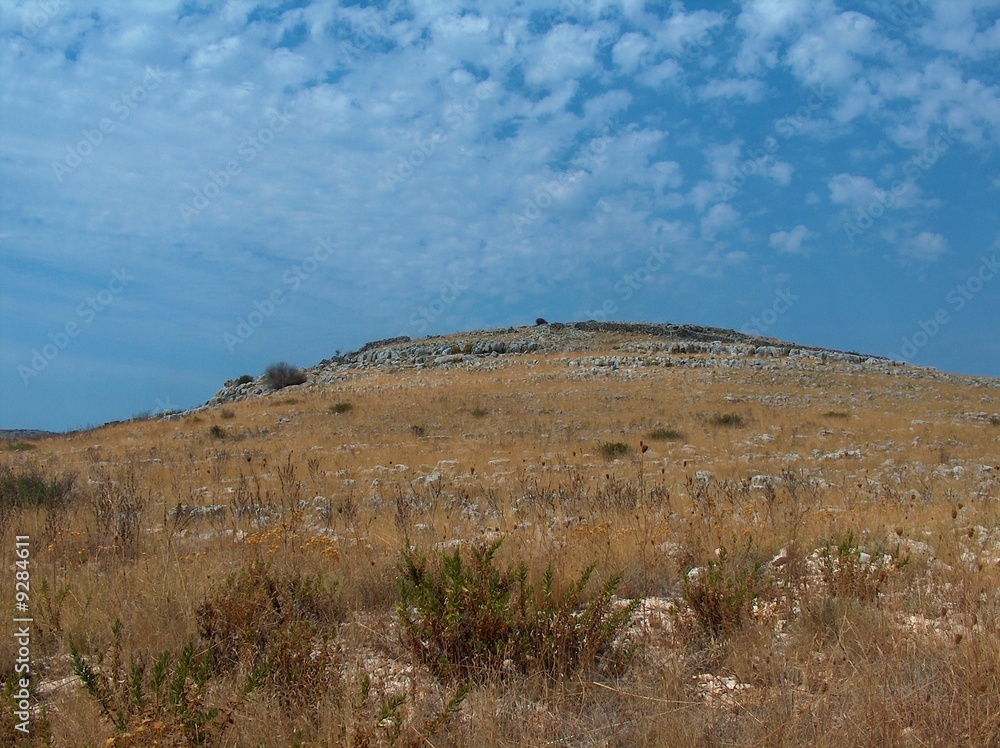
point(190, 191)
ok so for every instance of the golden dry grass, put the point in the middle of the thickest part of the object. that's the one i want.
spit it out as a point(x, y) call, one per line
point(897, 647)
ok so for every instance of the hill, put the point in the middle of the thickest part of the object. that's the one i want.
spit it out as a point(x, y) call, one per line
point(586, 534)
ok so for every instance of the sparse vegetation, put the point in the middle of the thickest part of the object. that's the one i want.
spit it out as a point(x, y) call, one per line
point(323, 579)
point(479, 412)
point(216, 431)
point(341, 408)
point(280, 375)
point(836, 414)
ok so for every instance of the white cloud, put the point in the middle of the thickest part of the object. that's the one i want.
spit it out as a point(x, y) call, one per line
point(831, 53)
point(955, 26)
point(792, 241)
point(629, 50)
point(766, 22)
point(719, 219)
point(924, 247)
point(939, 96)
point(748, 89)
point(689, 34)
point(565, 53)
point(860, 192)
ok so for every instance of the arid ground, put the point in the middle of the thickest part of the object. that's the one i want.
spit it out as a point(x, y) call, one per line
point(585, 546)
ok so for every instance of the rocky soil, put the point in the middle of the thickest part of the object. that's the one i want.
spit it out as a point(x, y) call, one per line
point(636, 346)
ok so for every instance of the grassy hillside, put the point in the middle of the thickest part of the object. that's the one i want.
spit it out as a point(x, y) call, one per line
point(578, 545)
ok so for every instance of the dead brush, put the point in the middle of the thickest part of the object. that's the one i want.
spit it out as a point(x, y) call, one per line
point(275, 630)
point(118, 505)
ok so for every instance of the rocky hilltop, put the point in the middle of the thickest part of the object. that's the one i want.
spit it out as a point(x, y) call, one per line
point(635, 345)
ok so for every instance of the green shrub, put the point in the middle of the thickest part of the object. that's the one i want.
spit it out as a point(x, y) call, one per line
point(836, 414)
point(480, 412)
point(611, 450)
point(468, 619)
point(340, 408)
point(722, 595)
point(733, 420)
point(281, 375)
point(227, 413)
point(152, 703)
point(665, 435)
point(244, 379)
point(216, 431)
point(851, 573)
point(28, 487)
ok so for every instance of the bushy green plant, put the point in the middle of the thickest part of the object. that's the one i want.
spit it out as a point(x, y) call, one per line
point(216, 431)
point(665, 435)
point(470, 619)
point(29, 487)
point(341, 408)
point(721, 595)
point(610, 450)
point(732, 420)
point(281, 375)
point(162, 700)
point(244, 379)
point(851, 573)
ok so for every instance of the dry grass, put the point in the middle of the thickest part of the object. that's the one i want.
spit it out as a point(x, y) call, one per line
point(845, 596)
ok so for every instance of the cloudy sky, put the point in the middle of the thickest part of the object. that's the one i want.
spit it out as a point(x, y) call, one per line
point(190, 191)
